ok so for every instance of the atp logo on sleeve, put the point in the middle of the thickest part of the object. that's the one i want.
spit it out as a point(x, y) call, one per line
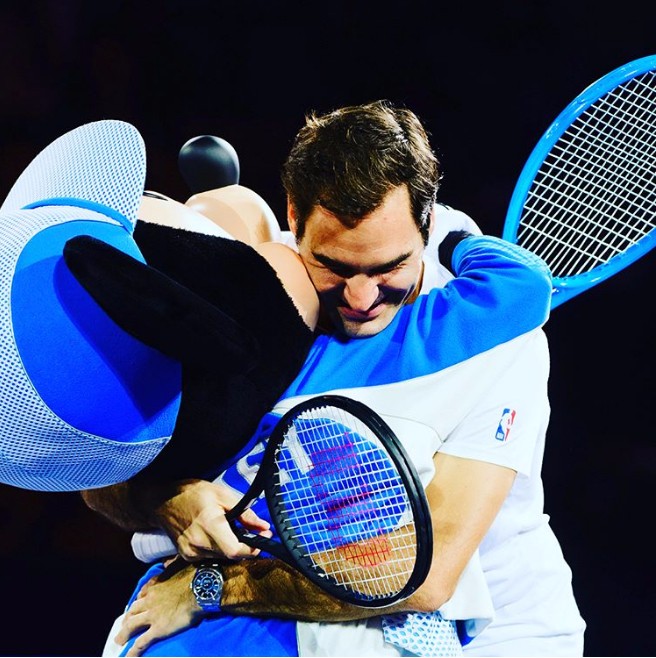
point(506, 422)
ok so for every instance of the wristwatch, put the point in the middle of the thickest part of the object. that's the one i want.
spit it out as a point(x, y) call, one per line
point(207, 586)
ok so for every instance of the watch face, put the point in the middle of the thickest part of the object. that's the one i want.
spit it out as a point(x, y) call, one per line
point(207, 585)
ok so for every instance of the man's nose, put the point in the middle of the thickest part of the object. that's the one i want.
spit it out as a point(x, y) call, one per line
point(360, 292)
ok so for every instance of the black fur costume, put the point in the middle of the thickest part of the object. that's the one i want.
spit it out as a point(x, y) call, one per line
point(219, 308)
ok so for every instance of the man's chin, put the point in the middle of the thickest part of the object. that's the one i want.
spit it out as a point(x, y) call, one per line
point(354, 329)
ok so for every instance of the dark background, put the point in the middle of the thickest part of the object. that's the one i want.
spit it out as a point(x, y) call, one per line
point(487, 81)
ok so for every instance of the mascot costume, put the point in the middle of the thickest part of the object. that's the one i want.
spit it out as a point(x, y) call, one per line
point(129, 345)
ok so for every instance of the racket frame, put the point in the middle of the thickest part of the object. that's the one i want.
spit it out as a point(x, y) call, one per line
point(266, 481)
point(567, 287)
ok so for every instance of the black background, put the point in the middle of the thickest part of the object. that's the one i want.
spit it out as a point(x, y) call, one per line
point(487, 81)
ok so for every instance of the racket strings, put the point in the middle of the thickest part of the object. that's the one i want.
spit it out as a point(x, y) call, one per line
point(599, 143)
point(347, 507)
point(594, 195)
point(607, 154)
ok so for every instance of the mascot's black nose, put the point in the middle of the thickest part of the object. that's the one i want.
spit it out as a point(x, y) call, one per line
point(208, 163)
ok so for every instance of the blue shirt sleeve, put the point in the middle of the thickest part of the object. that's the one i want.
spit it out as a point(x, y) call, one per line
point(500, 292)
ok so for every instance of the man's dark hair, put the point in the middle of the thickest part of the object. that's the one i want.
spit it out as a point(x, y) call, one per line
point(349, 159)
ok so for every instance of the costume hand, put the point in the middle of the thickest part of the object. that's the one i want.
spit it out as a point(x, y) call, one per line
point(164, 606)
point(195, 520)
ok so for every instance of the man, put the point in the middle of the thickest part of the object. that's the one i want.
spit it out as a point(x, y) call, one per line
point(461, 371)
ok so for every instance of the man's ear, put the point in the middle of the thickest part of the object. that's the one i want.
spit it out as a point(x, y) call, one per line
point(291, 217)
point(431, 220)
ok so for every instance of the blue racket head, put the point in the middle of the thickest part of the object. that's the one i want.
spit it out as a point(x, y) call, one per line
point(585, 200)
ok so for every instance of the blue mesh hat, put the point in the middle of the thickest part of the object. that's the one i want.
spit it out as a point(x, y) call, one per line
point(82, 403)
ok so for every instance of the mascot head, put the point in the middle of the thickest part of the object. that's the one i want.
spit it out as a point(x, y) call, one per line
point(128, 347)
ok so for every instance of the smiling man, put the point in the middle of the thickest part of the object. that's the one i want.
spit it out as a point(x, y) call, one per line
point(364, 275)
point(383, 196)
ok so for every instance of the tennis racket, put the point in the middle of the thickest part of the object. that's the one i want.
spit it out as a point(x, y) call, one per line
point(585, 201)
point(346, 503)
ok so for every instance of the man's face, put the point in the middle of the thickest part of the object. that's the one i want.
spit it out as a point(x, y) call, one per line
point(365, 274)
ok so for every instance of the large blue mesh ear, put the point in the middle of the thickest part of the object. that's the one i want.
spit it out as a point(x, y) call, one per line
point(70, 167)
point(82, 403)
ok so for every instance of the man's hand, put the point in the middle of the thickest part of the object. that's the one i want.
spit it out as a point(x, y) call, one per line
point(194, 518)
point(164, 606)
point(191, 512)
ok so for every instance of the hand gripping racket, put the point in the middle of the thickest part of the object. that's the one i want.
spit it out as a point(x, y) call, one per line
point(585, 201)
point(346, 503)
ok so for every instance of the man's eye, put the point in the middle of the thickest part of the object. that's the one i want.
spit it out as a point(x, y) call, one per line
point(343, 274)
point(390, 269)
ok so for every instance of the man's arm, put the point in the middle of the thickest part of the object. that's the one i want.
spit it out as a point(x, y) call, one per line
point(192, 512)
point(464, 496)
